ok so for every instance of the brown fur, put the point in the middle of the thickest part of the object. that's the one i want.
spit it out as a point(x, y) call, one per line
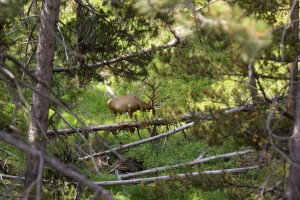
point(128, 103)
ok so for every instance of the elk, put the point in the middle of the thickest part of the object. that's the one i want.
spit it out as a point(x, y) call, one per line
point(131, 103)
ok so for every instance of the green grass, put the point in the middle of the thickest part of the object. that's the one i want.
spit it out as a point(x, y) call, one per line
point(91, 108)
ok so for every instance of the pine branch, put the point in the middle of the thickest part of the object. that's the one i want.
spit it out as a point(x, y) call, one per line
point(120, 58)
point(170, 44)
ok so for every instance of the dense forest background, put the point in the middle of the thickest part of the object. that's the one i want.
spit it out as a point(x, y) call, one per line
point(221, 79)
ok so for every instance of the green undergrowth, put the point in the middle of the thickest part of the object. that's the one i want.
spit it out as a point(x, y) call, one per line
point(175, 150)
point(91, 108)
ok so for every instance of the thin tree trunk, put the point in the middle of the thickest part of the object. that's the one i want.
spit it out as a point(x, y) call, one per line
point(80, 38)
point(252, 84)
point(293, 188)
point(294, 4)
point(292, 87)
point(40, 98)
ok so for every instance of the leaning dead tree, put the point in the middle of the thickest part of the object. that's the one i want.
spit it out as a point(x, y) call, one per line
point(186, 117)
point(139, 142)
point(172, 43)
point(176, 177)
point(55, 164)
point(194, 162)
point(198, 160)
point(111, 127)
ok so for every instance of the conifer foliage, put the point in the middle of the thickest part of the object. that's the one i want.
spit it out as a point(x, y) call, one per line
point(227, 69)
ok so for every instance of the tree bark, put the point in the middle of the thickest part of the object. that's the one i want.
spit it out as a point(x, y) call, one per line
point(111, 127)
point(55, 164)
point(40, 98)
point(294, 4)
point(293, 189)
point(293, 105)
point(252, 84)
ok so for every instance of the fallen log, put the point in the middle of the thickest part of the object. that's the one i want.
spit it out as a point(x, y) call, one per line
point(11, 177)
point(55, 164)
point(186, 117)
point(140, 141)
point(110, 127)
point(175, 177)
point(194, 162)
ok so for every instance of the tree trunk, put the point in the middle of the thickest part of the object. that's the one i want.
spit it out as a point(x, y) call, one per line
point(291, 99)
point(293, 189)
point(80, 18)
point(40, 98)
point(293, 105)
point(294, 4)
point(252, 84)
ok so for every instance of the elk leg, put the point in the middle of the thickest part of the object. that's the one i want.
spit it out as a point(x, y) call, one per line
point(113, 114)
point(138, 131)
point(153, 132)
point(130, 114)
point(184, 135)
point(183, 132)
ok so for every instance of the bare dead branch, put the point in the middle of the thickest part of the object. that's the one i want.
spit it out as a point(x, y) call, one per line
point(7, 152)
point(66, 122)
point(55, 164)
point(170, 44)
point(176, 177)
point(17, 83)
point(194, 162)
point(140, 141)
point(63, 41)
point(12, 177)
point(275, 188)
point(110, 127)
point(187, 117)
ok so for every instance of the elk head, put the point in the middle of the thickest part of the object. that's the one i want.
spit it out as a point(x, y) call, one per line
point(131, 103)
